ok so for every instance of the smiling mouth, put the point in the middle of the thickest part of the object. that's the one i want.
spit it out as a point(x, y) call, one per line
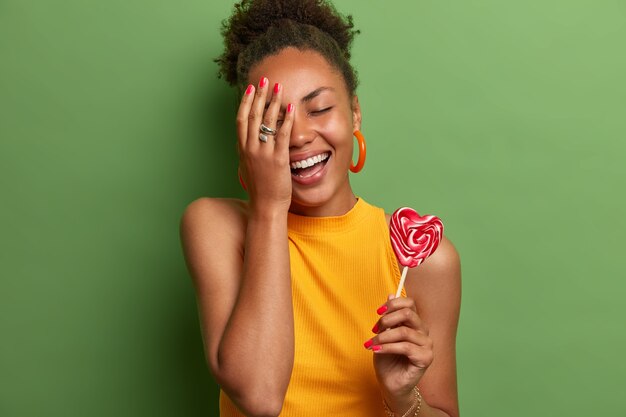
point(310, 166)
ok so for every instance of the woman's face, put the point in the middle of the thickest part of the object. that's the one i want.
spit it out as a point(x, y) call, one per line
point(325, 118)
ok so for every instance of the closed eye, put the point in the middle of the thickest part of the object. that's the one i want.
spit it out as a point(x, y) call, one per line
point(322, 111)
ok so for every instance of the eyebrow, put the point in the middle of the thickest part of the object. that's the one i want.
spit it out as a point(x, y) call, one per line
point(315, 93)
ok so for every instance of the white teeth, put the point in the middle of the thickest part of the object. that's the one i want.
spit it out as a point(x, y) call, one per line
point(309, 162)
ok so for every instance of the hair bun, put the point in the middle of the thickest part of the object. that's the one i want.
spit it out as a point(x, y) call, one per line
point(318, 13)
point(251, 19)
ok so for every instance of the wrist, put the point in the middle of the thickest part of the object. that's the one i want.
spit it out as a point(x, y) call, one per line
point(268, 211)
point(405, 405)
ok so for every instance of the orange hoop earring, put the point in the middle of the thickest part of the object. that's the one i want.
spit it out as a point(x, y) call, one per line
point(243, 184)
point(361, 162)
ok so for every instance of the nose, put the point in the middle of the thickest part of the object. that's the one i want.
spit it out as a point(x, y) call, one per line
point(302, 132)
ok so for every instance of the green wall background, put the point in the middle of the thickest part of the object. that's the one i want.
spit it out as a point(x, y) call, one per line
point(508, 118)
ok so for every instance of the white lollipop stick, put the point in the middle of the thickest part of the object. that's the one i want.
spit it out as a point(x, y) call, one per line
point(401, 284)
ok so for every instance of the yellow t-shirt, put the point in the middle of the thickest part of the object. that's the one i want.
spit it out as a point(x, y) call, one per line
point(342, 269)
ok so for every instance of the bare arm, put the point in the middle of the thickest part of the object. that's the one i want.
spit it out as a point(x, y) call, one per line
point(416, 337)
point(239, 260)
point(436, 288)
point(244, 301)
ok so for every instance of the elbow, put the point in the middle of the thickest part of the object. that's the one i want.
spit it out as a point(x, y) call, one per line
point(258, 391)
point(261, 407)
point(257, 403)
point(254, 397)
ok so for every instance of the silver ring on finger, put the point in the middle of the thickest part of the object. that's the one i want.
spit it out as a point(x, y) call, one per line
point(267, 130)
point(263, 138)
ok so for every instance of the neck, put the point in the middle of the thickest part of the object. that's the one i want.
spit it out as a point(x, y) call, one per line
point(337, 207)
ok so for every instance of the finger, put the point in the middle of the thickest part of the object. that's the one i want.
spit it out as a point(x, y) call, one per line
point(402, 334)
point(242, 116)
point(284, 132)
point(256, 113)
point(393, 304)
point(420, 357)
point(270, 116)
point(403, 317)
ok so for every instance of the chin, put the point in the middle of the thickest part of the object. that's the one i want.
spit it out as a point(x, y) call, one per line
point(322, 200)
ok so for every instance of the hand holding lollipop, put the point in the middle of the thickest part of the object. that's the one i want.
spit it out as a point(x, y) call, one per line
point(413, 238)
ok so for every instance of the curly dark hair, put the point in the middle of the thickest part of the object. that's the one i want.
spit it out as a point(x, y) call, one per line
point(260, 28)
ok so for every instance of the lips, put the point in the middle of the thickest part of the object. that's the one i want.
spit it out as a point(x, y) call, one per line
point(307, 169)
point(310, 166)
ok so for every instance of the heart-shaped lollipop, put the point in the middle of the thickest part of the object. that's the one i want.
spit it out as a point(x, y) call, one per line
point(413, 238)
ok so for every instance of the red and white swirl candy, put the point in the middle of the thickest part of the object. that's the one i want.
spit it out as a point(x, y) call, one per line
point(413, 238)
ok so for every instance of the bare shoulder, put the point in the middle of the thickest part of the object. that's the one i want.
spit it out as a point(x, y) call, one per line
point(443, 265)
point(435, 286)
point(212, 212)
point(219, 217)
point(212, 229)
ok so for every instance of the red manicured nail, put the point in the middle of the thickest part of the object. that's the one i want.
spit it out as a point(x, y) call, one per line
point(276, 88)
point(368, 344)
point(263, 82)
point(375, 328)
point(382, 309)
point(249, 89)
point(289, 108)
point(376, 348)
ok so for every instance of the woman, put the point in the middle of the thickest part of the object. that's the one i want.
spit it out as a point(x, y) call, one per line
point(290, 282)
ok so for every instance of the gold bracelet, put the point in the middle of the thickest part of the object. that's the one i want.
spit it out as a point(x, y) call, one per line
point(416, 406)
